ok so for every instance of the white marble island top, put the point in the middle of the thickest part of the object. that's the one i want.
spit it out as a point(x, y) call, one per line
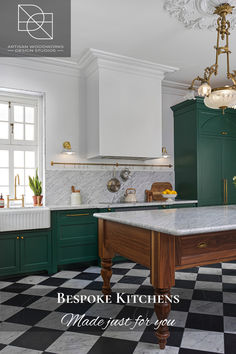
point(178, 222)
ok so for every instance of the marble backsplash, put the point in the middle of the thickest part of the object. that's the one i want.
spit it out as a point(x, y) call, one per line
point(92, 185)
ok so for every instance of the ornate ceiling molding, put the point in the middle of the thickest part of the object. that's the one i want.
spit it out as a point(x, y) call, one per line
point(198, 13)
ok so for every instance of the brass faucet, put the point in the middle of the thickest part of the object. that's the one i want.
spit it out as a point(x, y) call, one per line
point(17, 179)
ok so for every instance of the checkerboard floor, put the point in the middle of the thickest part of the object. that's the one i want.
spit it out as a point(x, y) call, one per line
point(205, 317)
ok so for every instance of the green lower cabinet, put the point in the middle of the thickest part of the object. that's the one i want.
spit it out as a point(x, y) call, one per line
point(25, 251)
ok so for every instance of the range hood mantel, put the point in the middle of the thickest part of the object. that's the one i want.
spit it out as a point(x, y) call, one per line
point(123, 105)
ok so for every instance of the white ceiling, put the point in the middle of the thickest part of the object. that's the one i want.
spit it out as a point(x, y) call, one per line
point(143, 29)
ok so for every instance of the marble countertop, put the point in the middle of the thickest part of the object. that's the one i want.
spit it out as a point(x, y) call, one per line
point(182, 221)
point(118, 205)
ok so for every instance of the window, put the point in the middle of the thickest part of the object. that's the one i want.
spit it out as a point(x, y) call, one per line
point(18, 145)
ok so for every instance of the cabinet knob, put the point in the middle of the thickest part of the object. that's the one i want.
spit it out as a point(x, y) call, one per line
point(18, 237)
point(224, 133)
point(22, 237)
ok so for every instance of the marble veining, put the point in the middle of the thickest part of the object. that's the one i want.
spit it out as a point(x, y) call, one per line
point(92, 185)
point(179, 221)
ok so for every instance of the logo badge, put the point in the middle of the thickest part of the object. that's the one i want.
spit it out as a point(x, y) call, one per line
point(32, 19)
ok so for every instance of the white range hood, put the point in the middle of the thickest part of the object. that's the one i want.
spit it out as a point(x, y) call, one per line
point(123, 106)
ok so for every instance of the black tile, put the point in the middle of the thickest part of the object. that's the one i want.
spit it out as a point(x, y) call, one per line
point(53, 281)
point(131, 280)
point(188, 270)
point(206, 295)
point(176, 335)
point(139, 266)
point(183, 305)
point(209, 277)
point(205, 322)
point(234, 262)
point(28, 316)
point(105, 345)
point(86, 328)
point(65, 291)
point(74, 308)
point(145, 290)
point(230, 343)
point(229, 310)
point(37, 338)
point(185, 284)
point(133, 312)
point(22, 300)
point(227, 287)
point(229, 272)
point(120, 271)
point(14, 278)
point(95, 285)
point(87, 276)
point(193, 351)
point(216, 265)
point(17, 288)
point(2, 346)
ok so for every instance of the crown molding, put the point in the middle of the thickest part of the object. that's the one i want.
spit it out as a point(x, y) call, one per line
point(93, 59)
point(55, 65)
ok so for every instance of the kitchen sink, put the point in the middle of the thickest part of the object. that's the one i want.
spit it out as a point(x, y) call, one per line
point(13, 219)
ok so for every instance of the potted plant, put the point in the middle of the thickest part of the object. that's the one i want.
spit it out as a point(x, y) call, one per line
point(36, 186)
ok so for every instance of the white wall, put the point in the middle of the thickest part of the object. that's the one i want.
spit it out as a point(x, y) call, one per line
point(64, 115)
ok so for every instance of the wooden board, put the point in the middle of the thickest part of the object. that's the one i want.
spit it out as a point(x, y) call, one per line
point(156, 191)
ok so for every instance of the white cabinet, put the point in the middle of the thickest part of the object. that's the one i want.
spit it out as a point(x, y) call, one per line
point(123, 106)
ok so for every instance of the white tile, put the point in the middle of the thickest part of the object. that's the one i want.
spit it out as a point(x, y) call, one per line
point(45, 303)
point(229, 279)
point(53, 321)
point(214, 271)
point(126, 265)
point(4, 296)
point(17, 350)
point(183, 293)
point(93, 270)
point(32, 279)
point(229, 298)
point(206, 307)
point(125, 332)
point(39, 290)
point(147, 282)
point(4, 284)
point(208, 285)
point(203, 340)
point(7, 311)
point(73, 343)
point(138, 272)
point(125, 288)
point(67, 274)
point(148, 348)
point(229, 265)
point(230, 324)
point(114, 278)
point(76, 283)
point(10, 331)
point(185, 276)
point(104, 310)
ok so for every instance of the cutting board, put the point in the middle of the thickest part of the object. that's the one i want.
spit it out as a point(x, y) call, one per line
point(155, 193)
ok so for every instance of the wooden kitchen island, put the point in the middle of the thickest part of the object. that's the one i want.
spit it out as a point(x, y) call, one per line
point(165, 241)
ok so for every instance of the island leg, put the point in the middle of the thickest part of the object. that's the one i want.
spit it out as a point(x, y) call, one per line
point(162, 279)
point(106, 255)
point(162, 311)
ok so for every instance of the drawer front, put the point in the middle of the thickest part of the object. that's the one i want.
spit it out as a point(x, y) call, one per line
point(205, 247)
point(71, 217)
point(85, 251)
point(77, 231)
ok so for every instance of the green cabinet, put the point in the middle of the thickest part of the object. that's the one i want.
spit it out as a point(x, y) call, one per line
point(25, 251)
point(205, 143)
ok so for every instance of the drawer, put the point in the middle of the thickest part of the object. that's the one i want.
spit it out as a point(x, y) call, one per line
point(195, 249)
point(77, 231)
point(71, 217)
point(73, 253)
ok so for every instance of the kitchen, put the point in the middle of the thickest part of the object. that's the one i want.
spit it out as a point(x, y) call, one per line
point(125, 168)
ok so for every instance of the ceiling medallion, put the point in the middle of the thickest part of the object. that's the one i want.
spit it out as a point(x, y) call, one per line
point(218, 97)
point(198, 13)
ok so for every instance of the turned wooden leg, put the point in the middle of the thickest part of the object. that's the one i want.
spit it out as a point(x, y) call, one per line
point(106, 273)
point(162, 311)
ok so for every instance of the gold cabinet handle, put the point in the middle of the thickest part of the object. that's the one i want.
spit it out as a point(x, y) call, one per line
point(18, 237)
point(77, 214)
point(224, 133)
point(202, 245)
point(109, 209)
point(22, 237)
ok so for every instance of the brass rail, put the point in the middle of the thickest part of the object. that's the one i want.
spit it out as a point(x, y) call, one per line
point(107, 164)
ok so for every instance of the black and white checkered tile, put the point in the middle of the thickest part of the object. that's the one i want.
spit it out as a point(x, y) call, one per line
point(205, 317)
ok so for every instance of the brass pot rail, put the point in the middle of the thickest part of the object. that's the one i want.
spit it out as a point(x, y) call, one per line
point(107, 164)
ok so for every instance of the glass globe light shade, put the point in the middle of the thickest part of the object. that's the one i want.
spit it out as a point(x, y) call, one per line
point(204, 89)
point(190, 94)
point(222, 98)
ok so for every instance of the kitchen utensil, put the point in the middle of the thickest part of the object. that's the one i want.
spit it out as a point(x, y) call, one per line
point(156, 191)
point(130, 195)
point(113, 185)
point(125, 174)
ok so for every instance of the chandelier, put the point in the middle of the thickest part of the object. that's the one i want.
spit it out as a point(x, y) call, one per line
point(218, 97)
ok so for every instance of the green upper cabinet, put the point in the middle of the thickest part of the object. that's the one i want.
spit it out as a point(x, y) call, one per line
point(205, 143)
